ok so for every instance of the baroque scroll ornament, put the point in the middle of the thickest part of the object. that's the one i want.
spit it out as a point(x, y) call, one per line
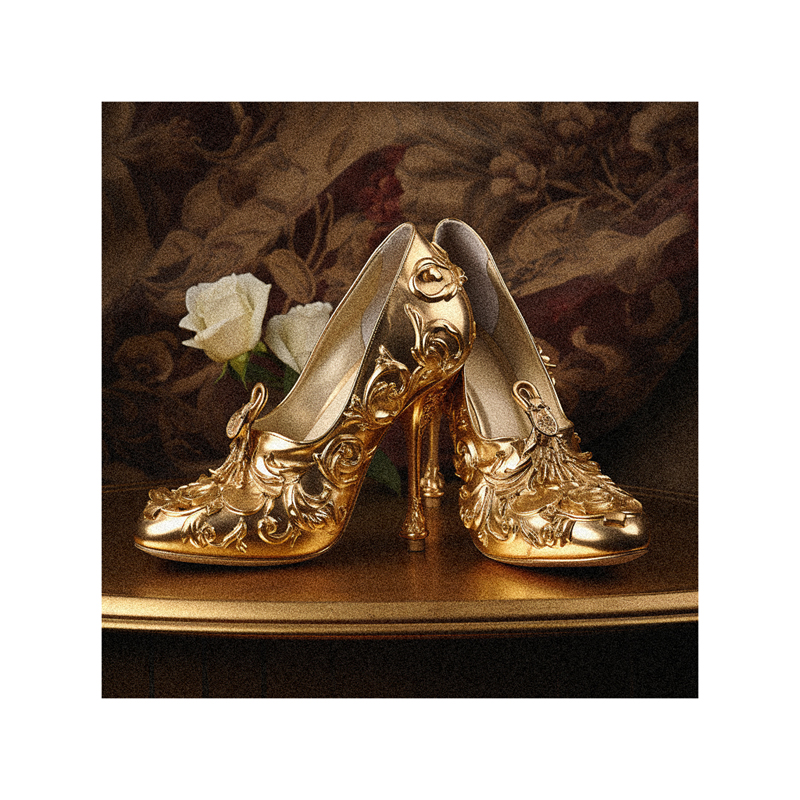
point(272, 487)
point(537, 488)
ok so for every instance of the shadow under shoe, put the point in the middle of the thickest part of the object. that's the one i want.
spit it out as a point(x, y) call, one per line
point(530, 496)
point(288, 487)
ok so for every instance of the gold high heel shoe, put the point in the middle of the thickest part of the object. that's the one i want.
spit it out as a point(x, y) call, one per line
point(530, 496)
point(288, 487)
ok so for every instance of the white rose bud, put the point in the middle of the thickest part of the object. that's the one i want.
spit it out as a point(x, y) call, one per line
point(292, 336)
point(226, 315)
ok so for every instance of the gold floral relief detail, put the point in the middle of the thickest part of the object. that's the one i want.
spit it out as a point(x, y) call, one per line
point(536, 488)
point(251, 483)
point(436, 277)
point(414, 525)
point(201, 533)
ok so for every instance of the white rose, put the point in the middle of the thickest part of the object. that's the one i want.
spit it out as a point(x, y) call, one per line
point(226, 315)
point(292, 336)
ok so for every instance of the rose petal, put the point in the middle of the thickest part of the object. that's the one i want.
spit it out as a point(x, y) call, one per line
point(227, 315)
point(258, 296)
point(226, 340)
point(293, 336)
point(191, 323)
point(223, 309)
point(273, 336)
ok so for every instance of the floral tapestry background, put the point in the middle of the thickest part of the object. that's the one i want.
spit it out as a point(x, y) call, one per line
point(590, 211)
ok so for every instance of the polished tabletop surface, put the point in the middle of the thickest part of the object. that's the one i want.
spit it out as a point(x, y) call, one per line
point(370, 585)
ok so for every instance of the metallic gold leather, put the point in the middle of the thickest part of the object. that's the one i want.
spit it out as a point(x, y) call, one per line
point(436, 278)
point(422, 422)
point(432, 482)
point(288, 487)
point(530, 496)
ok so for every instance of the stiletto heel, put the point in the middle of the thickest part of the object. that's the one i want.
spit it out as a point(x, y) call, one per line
point(422, 424)
point(288, 487)
point(432, 481)
point(530, 496)
point(415, 527)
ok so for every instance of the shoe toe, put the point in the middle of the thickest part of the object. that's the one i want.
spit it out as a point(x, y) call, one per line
point(605, 538)
point(185, 537)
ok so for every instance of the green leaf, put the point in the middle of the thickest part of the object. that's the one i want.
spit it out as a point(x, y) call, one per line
point(267, 353)
point(239, 365)
point(382, 470)
point(289, 378)
point(256, 373)
point(223, 373)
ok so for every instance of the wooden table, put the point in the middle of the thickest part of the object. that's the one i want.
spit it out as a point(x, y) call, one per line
point(369, 585)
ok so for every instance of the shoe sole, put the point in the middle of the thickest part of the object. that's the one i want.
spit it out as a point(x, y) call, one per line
point(590, 561)
point(226, 561)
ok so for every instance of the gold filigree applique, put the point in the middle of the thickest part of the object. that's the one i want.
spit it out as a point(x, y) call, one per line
point(251, 487)
point(198, 531)
point(436, 277)
point(231, 485)
point(537, 488)
point(538, 412)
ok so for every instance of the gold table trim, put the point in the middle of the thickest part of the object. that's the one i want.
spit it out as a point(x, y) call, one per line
point(395, 619)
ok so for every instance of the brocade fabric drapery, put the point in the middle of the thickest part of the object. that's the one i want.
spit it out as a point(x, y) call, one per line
point(590, 210)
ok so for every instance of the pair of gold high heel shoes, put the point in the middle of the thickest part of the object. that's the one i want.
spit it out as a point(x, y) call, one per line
point(427, 329)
